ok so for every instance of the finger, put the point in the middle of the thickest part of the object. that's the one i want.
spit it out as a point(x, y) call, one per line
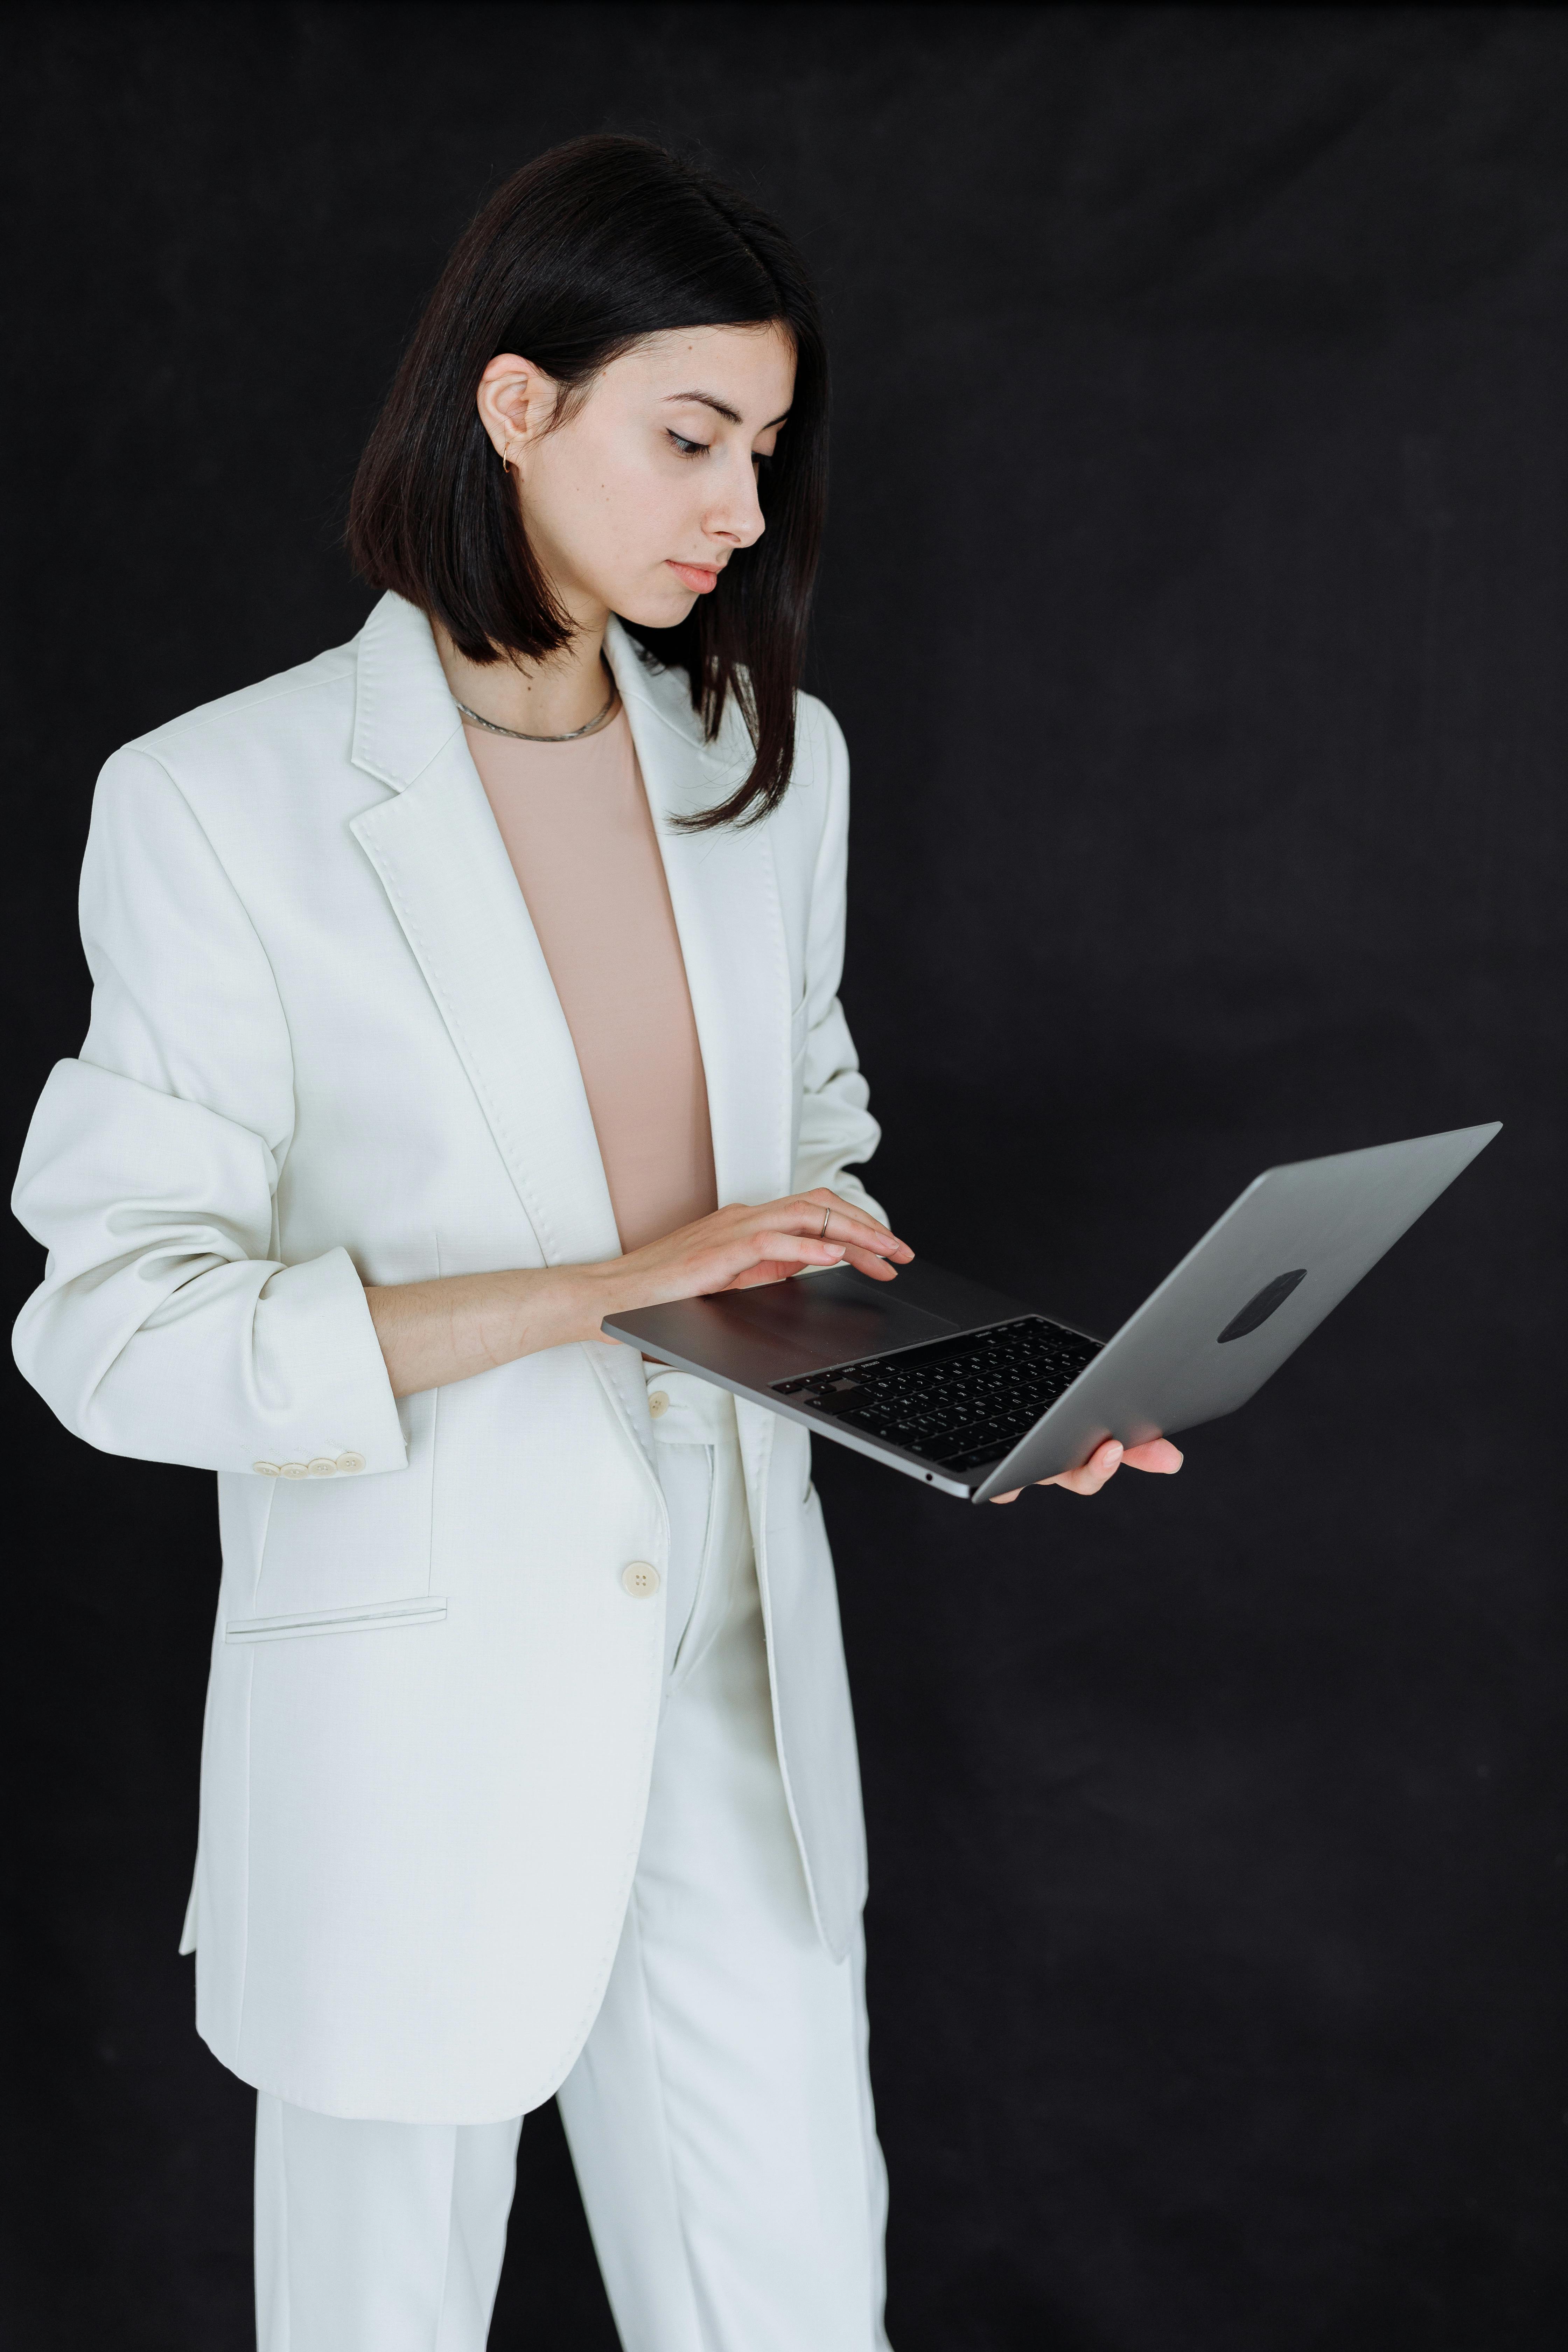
point(877, 1267)
point(1158, 1453)
point(828, 1200)
point(855, 1233)
point(1090, 1475)
point(767, 1269)
point(798, 1249)
point(833, 1219)
point(741, 1255)
point(841, 1226)
point(1008, 1498)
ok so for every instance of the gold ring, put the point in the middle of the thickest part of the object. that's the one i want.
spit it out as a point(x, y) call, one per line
point(821, 1236)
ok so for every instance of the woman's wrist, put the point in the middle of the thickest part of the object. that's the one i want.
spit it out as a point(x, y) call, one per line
point(550, 1306)
point(591, 1292)
point(557, 1304)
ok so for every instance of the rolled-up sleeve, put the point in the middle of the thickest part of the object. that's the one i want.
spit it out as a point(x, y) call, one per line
point(836, 1129)
point(167, 1325)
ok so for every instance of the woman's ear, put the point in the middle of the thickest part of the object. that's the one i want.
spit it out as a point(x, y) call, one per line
point(515, 401)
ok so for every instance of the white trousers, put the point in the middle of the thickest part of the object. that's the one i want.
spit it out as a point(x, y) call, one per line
point(719, 2116)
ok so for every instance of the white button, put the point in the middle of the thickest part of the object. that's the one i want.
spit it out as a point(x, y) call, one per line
point(266, 1469)
point(641, 1578)
point(658, 1403)
point(347, 1462)
point(293, 1470)
point(323, 1466)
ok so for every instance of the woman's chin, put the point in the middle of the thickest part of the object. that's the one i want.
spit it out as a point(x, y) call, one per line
point(663, 606)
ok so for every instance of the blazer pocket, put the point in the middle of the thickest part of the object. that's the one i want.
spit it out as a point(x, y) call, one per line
point(371, 1616)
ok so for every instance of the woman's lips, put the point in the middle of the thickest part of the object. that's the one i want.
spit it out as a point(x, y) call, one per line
point(700, 576)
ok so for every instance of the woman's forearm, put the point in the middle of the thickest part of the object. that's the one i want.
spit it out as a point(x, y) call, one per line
point(433, 1333)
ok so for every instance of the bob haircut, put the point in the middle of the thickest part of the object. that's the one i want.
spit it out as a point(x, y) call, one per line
point(582, 253)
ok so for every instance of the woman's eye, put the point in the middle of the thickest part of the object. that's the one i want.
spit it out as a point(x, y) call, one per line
point(689, 448)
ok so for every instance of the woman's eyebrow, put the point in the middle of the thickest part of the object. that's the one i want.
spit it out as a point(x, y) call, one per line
point(732, 416)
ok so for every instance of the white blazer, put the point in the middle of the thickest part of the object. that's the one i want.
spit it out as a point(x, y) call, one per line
point(325, 1050)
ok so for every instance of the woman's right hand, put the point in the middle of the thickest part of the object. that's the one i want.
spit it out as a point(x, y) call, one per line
point(740, 1246)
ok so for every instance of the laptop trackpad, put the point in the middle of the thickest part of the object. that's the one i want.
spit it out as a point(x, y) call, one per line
point(818, 1319)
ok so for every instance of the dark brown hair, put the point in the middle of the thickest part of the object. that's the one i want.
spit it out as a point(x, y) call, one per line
point(578, 257)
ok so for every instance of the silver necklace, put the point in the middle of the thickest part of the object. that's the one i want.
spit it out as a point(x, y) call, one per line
point(516, 734)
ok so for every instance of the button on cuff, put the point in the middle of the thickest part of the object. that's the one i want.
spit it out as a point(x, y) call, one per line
point(320, 1465)
point(641, 1578)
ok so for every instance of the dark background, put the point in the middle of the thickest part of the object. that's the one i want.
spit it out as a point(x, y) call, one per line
point(1195, 605)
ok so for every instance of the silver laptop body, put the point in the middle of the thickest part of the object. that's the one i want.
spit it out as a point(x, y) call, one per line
point(974, 1392)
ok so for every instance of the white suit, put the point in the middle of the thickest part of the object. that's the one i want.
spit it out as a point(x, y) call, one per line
point(325, 1049)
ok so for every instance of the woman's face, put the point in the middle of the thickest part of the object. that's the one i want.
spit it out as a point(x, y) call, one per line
point(638, 499)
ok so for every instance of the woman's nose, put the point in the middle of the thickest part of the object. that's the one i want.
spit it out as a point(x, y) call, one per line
point(738, 515)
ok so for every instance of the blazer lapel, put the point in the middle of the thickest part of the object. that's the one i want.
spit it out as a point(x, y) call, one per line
point(445, 869)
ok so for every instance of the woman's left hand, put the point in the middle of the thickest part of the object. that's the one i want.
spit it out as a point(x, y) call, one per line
point(1105, 1460)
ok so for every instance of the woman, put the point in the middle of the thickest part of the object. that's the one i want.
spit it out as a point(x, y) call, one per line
point(444, 988)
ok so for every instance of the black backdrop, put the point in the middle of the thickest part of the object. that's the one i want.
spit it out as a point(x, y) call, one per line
point(1195, 609)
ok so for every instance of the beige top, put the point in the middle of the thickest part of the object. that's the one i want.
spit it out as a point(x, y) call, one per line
point(577, 827)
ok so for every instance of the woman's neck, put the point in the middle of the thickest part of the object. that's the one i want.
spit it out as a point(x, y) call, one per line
point(548, 697)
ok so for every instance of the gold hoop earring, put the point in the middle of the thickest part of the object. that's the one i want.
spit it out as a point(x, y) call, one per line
point(506, 459)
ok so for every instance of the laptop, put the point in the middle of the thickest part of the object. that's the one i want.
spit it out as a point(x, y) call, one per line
point(974, 1392)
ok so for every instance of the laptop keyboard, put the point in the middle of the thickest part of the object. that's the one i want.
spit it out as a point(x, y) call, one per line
point(961, 1401)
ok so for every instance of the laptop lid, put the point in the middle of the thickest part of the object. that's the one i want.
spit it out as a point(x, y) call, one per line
point(1243, 1299)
